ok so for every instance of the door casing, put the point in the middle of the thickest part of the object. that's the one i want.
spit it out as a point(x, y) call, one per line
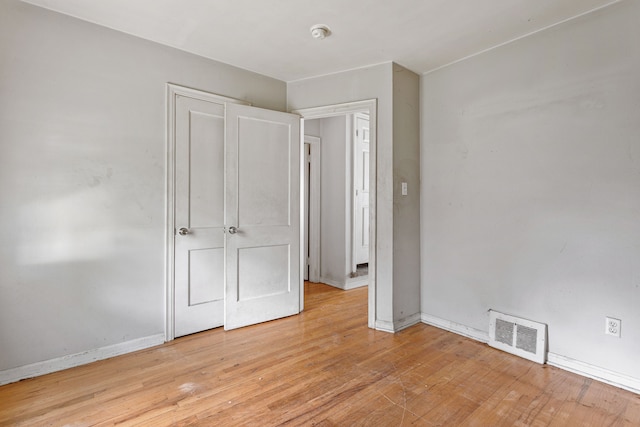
point(314, 208)
point(369, 106)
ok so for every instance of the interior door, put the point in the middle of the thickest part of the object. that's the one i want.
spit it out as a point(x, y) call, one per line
point(262, 215)
point(199, 215)
point(361, 202)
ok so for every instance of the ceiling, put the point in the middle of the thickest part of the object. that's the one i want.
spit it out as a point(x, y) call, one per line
point(272, 37)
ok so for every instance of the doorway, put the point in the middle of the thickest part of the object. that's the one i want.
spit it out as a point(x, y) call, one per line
point(341, 198)
point(311, 208)
point(341, 112)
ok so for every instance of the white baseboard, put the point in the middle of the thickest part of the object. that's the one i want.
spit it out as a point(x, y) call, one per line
point(332, 282)
point(356, 282)
point(384, 326)
point(597, 373)
point(349, 283)
point(72, 360)
point(568, 364)
point(456, 328)
point(401, 324)
point(398, 325)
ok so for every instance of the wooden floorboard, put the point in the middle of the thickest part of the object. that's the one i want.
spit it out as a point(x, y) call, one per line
point(322, 368)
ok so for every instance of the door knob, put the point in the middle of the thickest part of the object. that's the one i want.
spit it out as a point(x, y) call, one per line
point(233, 230)
point(183, 231)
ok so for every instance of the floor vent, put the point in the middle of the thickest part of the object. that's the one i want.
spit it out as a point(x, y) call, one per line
point(518, 336)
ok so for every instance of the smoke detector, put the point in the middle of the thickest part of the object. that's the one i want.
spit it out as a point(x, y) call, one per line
point(320, 31)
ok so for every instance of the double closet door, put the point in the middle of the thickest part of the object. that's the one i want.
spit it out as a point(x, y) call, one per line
point(236, 215)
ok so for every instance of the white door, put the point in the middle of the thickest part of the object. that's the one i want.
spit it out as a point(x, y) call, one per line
point(199, 215)
point(262, 215)
point(361, 182)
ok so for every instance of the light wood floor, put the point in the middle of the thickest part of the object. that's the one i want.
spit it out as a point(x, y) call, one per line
point(322, 368)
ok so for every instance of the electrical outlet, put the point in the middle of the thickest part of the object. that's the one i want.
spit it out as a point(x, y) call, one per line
point(613, 326)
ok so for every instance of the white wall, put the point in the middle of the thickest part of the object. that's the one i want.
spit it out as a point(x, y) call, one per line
point(406, 213)
point(82, 179)
point(335, 203)
point(312, 127)
point(530, 163)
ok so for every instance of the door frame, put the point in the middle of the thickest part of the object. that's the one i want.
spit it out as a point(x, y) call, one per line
point(314, 207)
point(371, 107)
point(173, 92)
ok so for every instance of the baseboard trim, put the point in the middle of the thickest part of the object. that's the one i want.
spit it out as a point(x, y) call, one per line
point(356, 282)
point(331, 282)
point(566, 363)
point(73, 360)
point(351, 283)
point(398, 325)
point(384, 326)
point(401, 324)
point(456, 328)
point(595, 372)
